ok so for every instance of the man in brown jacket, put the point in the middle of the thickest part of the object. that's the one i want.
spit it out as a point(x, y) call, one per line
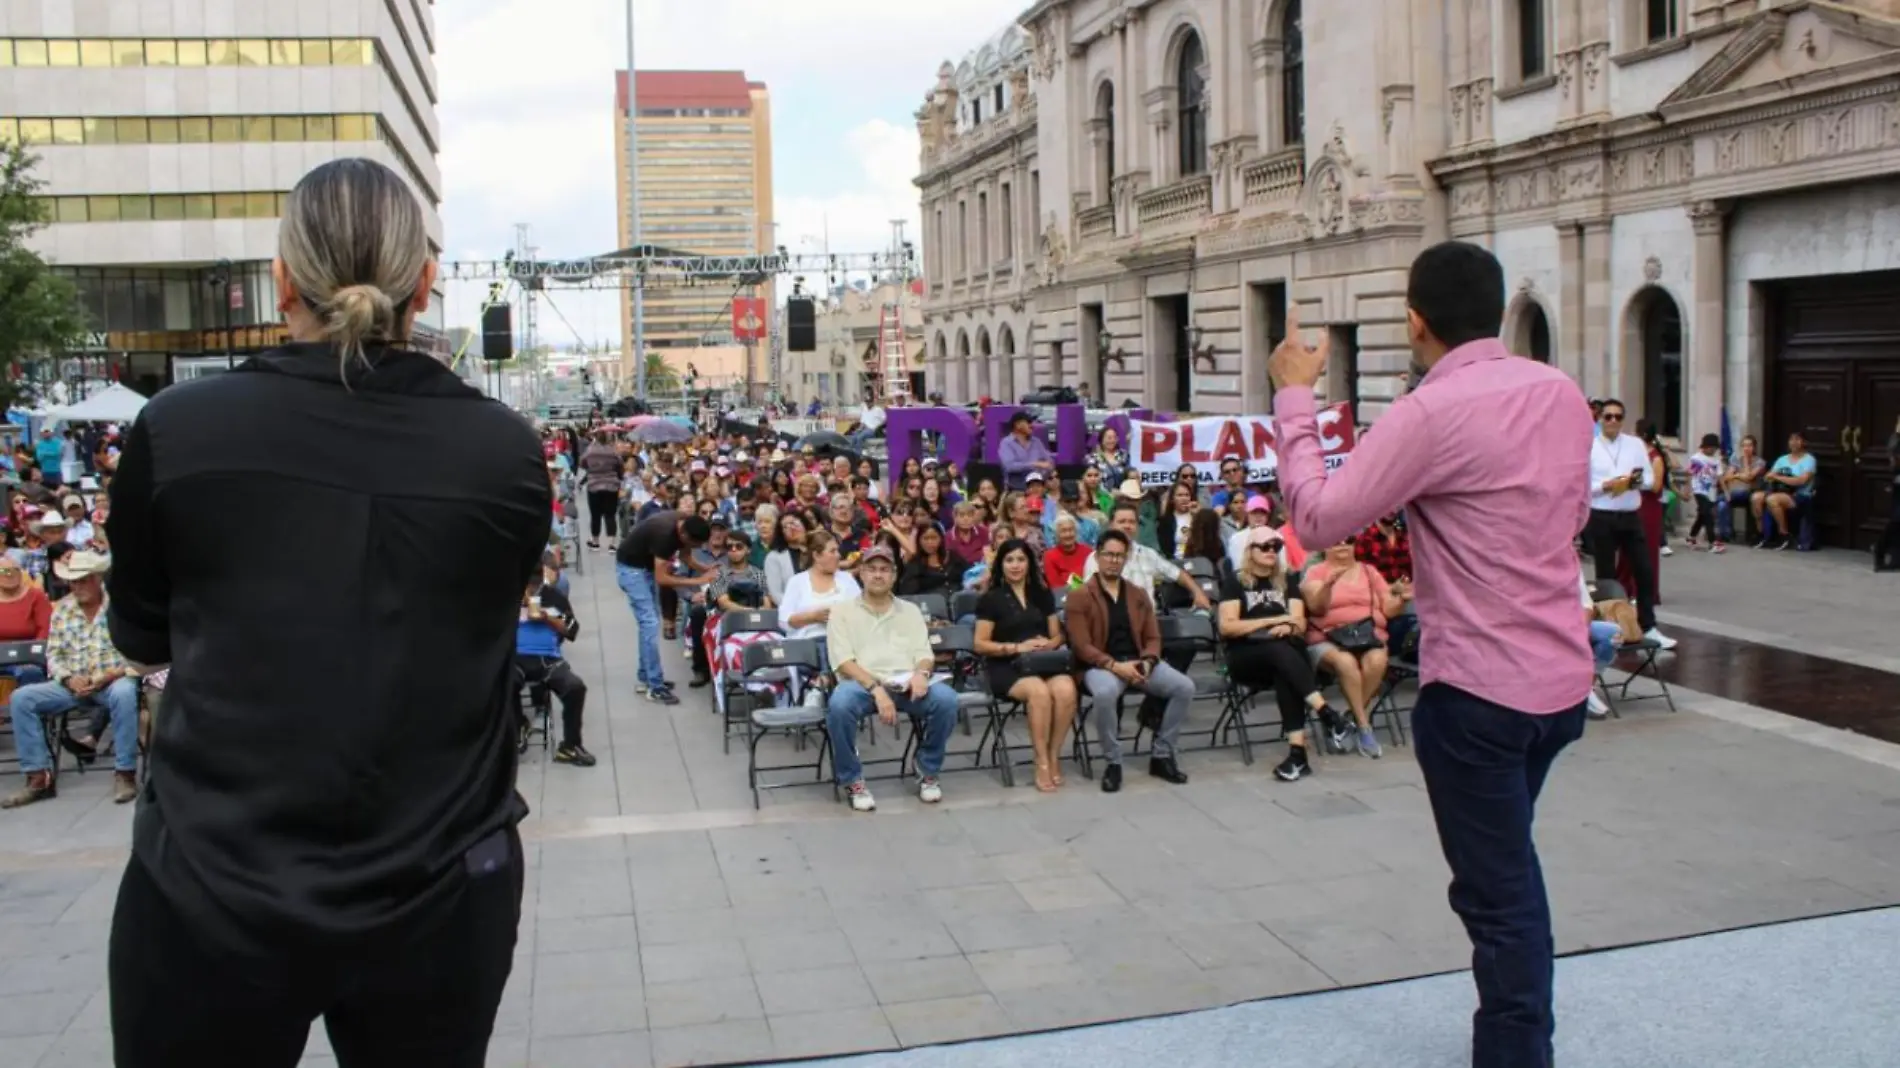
point(1117, 642)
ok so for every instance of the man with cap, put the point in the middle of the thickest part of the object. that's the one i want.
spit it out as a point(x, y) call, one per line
point(84, 669)
point(78, 528)
point(1022, 452)
point(880, 651)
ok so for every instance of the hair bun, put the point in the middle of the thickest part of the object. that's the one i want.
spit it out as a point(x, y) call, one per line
point(358, 312)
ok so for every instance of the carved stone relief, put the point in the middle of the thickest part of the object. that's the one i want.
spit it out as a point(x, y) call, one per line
point(1328, 199)
point(1042, 56)
point(1055, 251)
point(1652, 270)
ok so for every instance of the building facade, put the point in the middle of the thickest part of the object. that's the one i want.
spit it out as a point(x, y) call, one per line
point(843, 368)
point(705, 188)
point(169, 132)
point(1694, 201)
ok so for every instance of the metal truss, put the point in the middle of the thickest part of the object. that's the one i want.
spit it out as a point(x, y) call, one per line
point(659, 270)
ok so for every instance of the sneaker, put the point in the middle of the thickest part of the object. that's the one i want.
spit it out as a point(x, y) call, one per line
point(1595, 707)
point(1657, 636)
point(1369, 744)
point(663, 695)
point(1294, 767)
point(1665, 551)
point(639, 689)
point(1718, 548)
point(860, 797)
point(575, 755)
point(929, 792)
point(1690, 542)
point(1339, 738)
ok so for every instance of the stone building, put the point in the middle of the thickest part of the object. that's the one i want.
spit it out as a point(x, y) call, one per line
point(1693, 199)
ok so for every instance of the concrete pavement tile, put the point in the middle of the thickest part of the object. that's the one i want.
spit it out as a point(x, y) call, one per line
point(1256, 982)
point(1058, 863)
point(833, 1032)
point(773, 953)
point(1135, 996)
point(687, 925)
point(686, 961)
point(567, 971)
point(1231, 945)
point(631, 1049)
point(1115, 958)
point(814, 990)
point(1051, 1008)
point(508, 1051)
point(653, 894)
point(47, 974)
point(703, 1001)
point(591, 1010)
point(37, 1014)
point(1006, 970)
point(97, 1013)
point(1054, 895)
point(880, 940)
point(726, 1042)
point(585, 933)
point(896, 982)
point(25, 1051)
point(78, 1049)
point(1308, 805)
point(972, 902)
point(1007, 931)
point(560, 852)
point(930, 1023)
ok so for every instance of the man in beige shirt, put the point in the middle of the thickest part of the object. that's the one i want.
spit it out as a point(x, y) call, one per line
point(880, 651)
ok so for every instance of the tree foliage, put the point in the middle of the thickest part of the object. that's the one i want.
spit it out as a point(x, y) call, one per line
point(39, 310)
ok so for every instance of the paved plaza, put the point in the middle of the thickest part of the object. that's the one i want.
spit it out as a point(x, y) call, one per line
point(668, 923)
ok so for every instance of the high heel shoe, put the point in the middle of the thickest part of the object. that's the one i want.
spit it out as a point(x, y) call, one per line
point(1044, 783)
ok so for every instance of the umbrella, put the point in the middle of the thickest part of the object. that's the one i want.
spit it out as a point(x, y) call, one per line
point(682, 421)
point(826, 442)
point(661, 432)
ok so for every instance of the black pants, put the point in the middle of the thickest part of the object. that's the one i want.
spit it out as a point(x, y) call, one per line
point(561, 681)
point(1887, 549)
point(669, 605)
point(425, 994)
point(1606, 534)
point(603, 510)
point(1704, 517)
point(1279, 664)
point(1484, 766)
point(695, 631)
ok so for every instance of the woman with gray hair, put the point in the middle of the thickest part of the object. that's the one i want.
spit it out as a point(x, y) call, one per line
point(328, 827)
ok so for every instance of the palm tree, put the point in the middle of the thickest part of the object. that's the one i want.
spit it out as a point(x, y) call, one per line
point(662, 380)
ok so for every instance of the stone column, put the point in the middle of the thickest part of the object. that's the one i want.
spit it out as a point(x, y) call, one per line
point(1707, 375)
point(1572, 356)
point(1598, 325)
point(1266, 76)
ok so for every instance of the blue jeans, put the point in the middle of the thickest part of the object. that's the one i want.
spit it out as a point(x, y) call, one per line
point(25, 674)
point(1725, 507)
point(851, 702)
point(1484, 766)
point(1603, 641)
point(643, 596)
point(33, 705)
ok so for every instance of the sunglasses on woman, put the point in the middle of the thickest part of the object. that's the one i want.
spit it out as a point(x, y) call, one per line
point(1268, 546)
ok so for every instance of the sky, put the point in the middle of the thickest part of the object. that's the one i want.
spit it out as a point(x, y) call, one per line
point(526, 111)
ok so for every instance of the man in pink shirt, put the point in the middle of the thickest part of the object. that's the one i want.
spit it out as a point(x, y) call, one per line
point(1489, 455)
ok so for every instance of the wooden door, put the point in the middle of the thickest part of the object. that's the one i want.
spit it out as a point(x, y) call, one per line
point(1815, 401)
point(1876, 407)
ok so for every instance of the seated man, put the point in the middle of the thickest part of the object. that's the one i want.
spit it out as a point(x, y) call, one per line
point(547, 620)
point(880, 651)
point(1117, 640)
point(86, 671)
point(1604, 637)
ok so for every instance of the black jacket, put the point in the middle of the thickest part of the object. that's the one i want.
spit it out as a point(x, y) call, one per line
point(334, 575)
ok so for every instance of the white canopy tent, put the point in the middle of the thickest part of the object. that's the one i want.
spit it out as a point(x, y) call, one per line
point(114, 404)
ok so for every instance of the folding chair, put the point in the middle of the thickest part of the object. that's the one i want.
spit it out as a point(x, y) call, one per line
point(1198, 567)
point(17, 655)
point(536, 707)
point(738, 717)
point(972, 683)
point(1401, 668)
point(765, 717)
point(963, 604)
point(956, 654)
point(1180, 632)
point(1646, 652)
point(935, 606)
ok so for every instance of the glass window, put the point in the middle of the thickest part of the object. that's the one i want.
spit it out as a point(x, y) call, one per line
point(62, 53)
point(287, 128)
point(286, 53)
point(164, 131)
point(348, 52)
point(227, 129)
point(36, 131)
point(319, 127)
point(168, 208)
point(352, 128)
point(101, 131)
point(316, 53)
point(102, 209)
point(282, 201)
point(194, 131)
point(260, 205)
point(69, 210)
point(223, 53)
point(257, 129)
point(253, 53)
point(30, 53)
point(135, 208)
point(133, 132)
point(199, 206)
point(161, 53)
point(69, 132)
point(229, 206)
point(9, 131)
point(128, 53)
point(6, 53)
point(194, 53)
point(95, 54)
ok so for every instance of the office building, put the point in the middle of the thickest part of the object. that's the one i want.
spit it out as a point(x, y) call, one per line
point(705, 186)
point(169, 133)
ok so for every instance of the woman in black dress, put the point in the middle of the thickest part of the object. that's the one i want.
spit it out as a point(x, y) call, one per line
point(1018, 616)
point(1263, 622)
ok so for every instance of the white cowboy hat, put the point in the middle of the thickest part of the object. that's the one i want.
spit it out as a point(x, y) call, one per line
point(77, 565)
point(1130, 490)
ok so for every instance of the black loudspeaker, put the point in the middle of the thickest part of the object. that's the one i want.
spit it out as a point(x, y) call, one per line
point(801, 325)
point(498, 332)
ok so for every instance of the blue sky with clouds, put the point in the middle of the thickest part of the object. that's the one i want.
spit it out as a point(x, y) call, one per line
point(527, 116)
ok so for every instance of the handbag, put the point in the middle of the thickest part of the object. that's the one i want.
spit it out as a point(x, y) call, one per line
point(1045, 663)
point(1354, 637)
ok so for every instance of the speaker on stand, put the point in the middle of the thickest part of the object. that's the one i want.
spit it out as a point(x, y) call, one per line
point(801, 325)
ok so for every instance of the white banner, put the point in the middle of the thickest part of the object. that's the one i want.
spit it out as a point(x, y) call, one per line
point(1158, 450)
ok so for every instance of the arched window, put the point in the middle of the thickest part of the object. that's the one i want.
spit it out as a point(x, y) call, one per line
point(1105, 114)
point(1537, 340)
point(1191, 86)
point(1659, 325)
point(1292, 77)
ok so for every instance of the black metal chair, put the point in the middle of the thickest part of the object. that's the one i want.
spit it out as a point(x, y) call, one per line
point(535, 704)
point(963, 604)
point(765, 717)
point(1643, 650)
point(957, 644)
point(935, 606)
point(31, 654)
point(738, 712)
point(1401, 668)
point(1181, 632)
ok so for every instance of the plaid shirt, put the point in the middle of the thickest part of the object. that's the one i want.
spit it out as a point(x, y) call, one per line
point(78, 646)
point(1391, 558)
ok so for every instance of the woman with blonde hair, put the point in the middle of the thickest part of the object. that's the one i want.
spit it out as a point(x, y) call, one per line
point(328, 827)
point(1263, 623)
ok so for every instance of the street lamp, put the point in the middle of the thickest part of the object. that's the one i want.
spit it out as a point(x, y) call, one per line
point(219, 280)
